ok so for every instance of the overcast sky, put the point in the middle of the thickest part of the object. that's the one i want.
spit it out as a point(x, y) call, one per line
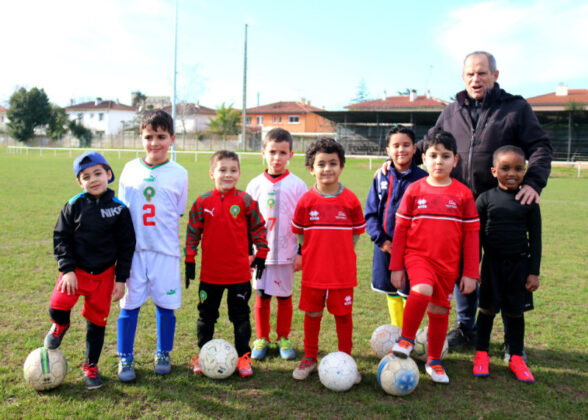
point(319, 50)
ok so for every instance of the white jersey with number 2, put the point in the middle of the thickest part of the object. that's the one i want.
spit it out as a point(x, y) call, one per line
point(277, 199)
point(156, 197)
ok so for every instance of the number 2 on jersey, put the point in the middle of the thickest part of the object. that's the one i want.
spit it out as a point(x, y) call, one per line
point(148, 213)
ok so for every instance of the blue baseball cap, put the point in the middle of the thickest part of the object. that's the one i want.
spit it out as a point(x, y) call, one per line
point(85, 160)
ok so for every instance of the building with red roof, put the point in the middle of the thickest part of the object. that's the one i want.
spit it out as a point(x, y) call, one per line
point(191, 117)
point(102, 117)
point(296, 117)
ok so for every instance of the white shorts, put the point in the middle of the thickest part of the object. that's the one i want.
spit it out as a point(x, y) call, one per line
point(156, 275)
point(276, 280)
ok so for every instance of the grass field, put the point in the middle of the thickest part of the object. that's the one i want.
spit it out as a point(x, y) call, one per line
point(34, 189)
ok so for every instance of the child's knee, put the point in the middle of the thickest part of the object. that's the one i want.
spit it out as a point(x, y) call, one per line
point(487, 312)
point(437, 310)
point(423, 289)
point(314, 314)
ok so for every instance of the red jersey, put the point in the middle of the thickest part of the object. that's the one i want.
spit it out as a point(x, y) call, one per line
point(224, 222)
point(436, 219)
point(328, 225)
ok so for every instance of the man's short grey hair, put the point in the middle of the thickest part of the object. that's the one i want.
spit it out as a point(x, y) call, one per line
point(491, 59)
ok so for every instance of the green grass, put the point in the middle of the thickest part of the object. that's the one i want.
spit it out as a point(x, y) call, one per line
point(33, 190)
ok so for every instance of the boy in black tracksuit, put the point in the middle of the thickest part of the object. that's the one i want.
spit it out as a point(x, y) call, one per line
point(93, 243)
point(511, 238)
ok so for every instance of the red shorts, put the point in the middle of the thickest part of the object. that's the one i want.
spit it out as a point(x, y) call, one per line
point(97, 292)
point(339, 301)
point(421, 271)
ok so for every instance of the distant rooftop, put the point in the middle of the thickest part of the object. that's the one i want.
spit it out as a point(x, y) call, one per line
point(99, 104)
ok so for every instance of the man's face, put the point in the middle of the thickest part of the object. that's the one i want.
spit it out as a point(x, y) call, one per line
point(477, 76)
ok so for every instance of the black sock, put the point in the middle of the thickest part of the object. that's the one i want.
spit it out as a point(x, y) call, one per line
point(484, 329)
point(59, 317)
point(516, 334)
point(94, 342)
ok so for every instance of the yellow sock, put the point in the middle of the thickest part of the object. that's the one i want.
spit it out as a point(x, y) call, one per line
point(396, 309)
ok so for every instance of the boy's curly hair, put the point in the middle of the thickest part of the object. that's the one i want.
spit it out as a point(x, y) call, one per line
point(324, 145)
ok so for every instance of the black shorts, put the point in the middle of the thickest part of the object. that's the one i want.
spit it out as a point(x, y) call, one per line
point(503, 284)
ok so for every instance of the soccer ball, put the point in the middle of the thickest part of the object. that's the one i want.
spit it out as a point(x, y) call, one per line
point(383, 339)
point(338, 371)
point(218, 359)
point(45, 369)
point(398, 376)
point(421, 345)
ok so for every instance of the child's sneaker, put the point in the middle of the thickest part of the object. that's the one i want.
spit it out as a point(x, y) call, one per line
point(518, 366)
point(195, 365)
point(162, 363)
point(403, 347)
point(286, 350)
point(126, 369)
point(91, 376)
point(304, 369)
point(55, 335)
point(244, 366)
point(259, 350)
point(481, 364)
point(436, 371)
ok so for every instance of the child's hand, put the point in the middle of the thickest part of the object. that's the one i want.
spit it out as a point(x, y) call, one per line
point(386, 246)
point(467, 285)
point(297, 263)
point(259, 264)
point(118, 292)
point(190, 273)
point(398, 279)
point(386, 166)
point(69, 283)
point(532, 282)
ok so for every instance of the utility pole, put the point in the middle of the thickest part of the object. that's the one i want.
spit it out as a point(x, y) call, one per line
point(244, 111)
point(173, 151)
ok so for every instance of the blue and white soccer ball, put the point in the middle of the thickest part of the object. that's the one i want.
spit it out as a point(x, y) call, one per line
point(421, 345)
point(383, 339)
point(398, 376)
point(218, 359)
point(45, 369)
point(338, 371)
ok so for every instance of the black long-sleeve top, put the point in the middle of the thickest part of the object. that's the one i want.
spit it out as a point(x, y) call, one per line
point(509, 228)
point(94, 233)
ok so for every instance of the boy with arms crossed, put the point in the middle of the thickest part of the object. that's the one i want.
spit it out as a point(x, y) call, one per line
point(511, 239)
point(437, 229)
point(93, 233)
point(277, 192)
point(155, 189)
point(224, 219)
point(380, 214)
point(328, 221)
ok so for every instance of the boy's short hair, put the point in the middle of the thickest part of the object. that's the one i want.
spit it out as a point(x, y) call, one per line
point(158, 118)
point(324, 145)
point(443, 138)
point(278, 135)
point(507, 149)
point(89, 159)
point(400, 129)
point(223, 154)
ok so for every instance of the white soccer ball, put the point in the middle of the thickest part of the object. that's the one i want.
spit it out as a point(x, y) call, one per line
point(398, 376)
point(45, 369)
point(383, 339)
point(338, 371)
point(218, 359)
point(421, 345)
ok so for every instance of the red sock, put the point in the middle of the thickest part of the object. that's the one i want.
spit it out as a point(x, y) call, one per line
point(436, 335)
point(312, 328)
point(344, 325)
point(414, 311)
point(262, 317)
point(284, 318)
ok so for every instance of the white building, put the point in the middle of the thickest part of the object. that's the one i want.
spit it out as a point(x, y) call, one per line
point(102, 117)
point(191, 118)
point(3, 118)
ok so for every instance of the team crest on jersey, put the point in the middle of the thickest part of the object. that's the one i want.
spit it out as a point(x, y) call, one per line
point(149, 193)
point(203, 296)
point(235, 210)
point(314, 215)
point(348, 300)
point(271, 202)
point(422, 203)
point(451, 204)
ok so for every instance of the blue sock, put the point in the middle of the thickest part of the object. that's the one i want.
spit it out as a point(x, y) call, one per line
point(166, 327)
point(127, 326)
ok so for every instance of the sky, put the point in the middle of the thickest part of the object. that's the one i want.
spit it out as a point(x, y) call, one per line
point(318, 50)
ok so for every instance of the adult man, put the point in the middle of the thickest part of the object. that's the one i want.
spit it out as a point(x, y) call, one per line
point(483, 118)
